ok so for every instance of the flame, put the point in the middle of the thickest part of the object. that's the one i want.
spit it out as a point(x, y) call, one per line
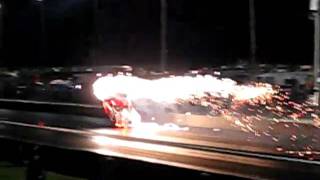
point(169, 90)
point(247, 107)
point(224, 97)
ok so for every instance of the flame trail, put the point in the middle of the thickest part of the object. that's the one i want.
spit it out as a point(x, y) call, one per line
point(169, 90)
point(247, 107)
point(115, 91)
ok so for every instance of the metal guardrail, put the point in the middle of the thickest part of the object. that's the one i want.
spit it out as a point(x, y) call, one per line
point(56, 107)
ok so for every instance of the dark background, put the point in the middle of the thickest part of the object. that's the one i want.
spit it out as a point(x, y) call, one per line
point(200, 33)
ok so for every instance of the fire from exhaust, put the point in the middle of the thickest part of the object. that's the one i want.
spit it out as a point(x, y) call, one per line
point(171, 89)
point(118, 92)
point(258, 109)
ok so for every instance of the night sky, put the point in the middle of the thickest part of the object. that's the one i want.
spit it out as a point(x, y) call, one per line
point(200, 33)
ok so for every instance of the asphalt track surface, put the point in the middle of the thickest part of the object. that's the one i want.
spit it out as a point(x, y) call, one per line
point(196, 148)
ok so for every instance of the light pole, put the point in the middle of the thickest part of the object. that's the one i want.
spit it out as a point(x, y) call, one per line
point(1, 26)
point(42, 13)
point(316, 53)
point(252, 27)
point(314, 7)
point(94, 41)
point(163, 35)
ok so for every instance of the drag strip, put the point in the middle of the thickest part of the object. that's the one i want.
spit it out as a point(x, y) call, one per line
point(233, 139)
point(211, 160)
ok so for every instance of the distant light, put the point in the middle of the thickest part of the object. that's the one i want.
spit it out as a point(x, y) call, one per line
point(98, 74)
point(128, 68)
point(217, 73)
point(78, 86)
point(39, 0)
point(194, 72)
point(128, 74)
point(314, 5)
point(56, 69)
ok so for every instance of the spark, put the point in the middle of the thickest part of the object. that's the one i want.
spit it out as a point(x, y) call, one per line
point(242, 105)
